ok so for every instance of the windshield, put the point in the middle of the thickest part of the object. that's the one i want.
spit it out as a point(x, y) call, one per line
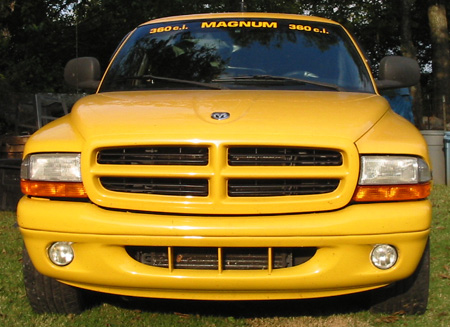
point(238, 54)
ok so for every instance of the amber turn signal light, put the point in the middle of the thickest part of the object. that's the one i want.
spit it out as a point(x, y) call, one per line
point(381, 193)
point(53, 189)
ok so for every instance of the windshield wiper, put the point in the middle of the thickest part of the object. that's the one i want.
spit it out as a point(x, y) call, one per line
point(270, 78)
point(174, 80)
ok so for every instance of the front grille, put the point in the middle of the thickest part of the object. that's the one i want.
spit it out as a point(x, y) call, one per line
point(280, 187)
point(282, 156)
point(212, 178)
point(155, 155)
point(157, 186)
point(221, 258)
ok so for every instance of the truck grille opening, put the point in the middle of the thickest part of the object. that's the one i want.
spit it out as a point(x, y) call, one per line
point(221, 258)
point(207, 178)
point(157, 186)
point(155, 155)
point(282, 156)
point(280, 187)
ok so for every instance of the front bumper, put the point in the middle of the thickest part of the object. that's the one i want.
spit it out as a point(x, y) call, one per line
point(341, 265)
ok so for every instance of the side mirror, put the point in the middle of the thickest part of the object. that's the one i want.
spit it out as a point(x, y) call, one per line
point(396, 72)
point(83, 73)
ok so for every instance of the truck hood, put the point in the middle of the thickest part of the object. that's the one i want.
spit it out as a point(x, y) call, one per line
point(163, 115)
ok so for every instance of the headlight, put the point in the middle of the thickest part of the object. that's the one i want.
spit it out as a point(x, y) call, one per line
point(52, 175)
point(388, 170)
point(52, 167)
point(393, 178)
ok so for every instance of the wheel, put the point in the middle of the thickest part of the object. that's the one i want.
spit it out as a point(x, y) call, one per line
point(409, 296)
point(47, 295)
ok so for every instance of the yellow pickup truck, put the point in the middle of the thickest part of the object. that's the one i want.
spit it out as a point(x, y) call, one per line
point(235, 156)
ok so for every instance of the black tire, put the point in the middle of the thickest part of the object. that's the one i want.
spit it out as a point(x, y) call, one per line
point(47, 295)
point(408, 296)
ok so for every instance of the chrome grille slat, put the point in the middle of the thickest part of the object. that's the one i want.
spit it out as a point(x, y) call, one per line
point(282, 156)
point(280, 187)
point(155, 155)
point(200, 258)
point(157, 186)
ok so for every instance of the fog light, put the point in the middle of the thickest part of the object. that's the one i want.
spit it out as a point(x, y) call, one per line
point(61, 253)
point(384, 256)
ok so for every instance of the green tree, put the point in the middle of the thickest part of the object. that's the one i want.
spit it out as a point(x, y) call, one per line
point(409, 49)
point(441, 56)
point(40, 36)
point(32, 52)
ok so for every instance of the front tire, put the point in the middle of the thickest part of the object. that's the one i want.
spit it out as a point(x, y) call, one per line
point(47, 295)
point(409, 296)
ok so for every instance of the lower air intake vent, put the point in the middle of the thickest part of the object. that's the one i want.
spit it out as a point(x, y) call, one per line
point(221, 258)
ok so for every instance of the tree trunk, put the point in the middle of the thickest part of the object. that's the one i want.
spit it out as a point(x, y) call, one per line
point(409, 50)
point(437, 18)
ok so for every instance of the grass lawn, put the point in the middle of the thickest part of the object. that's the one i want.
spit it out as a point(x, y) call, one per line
point(336, 312)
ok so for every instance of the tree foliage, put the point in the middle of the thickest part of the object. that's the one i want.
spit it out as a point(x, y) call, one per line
point(39, 36)
point(441, 54)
